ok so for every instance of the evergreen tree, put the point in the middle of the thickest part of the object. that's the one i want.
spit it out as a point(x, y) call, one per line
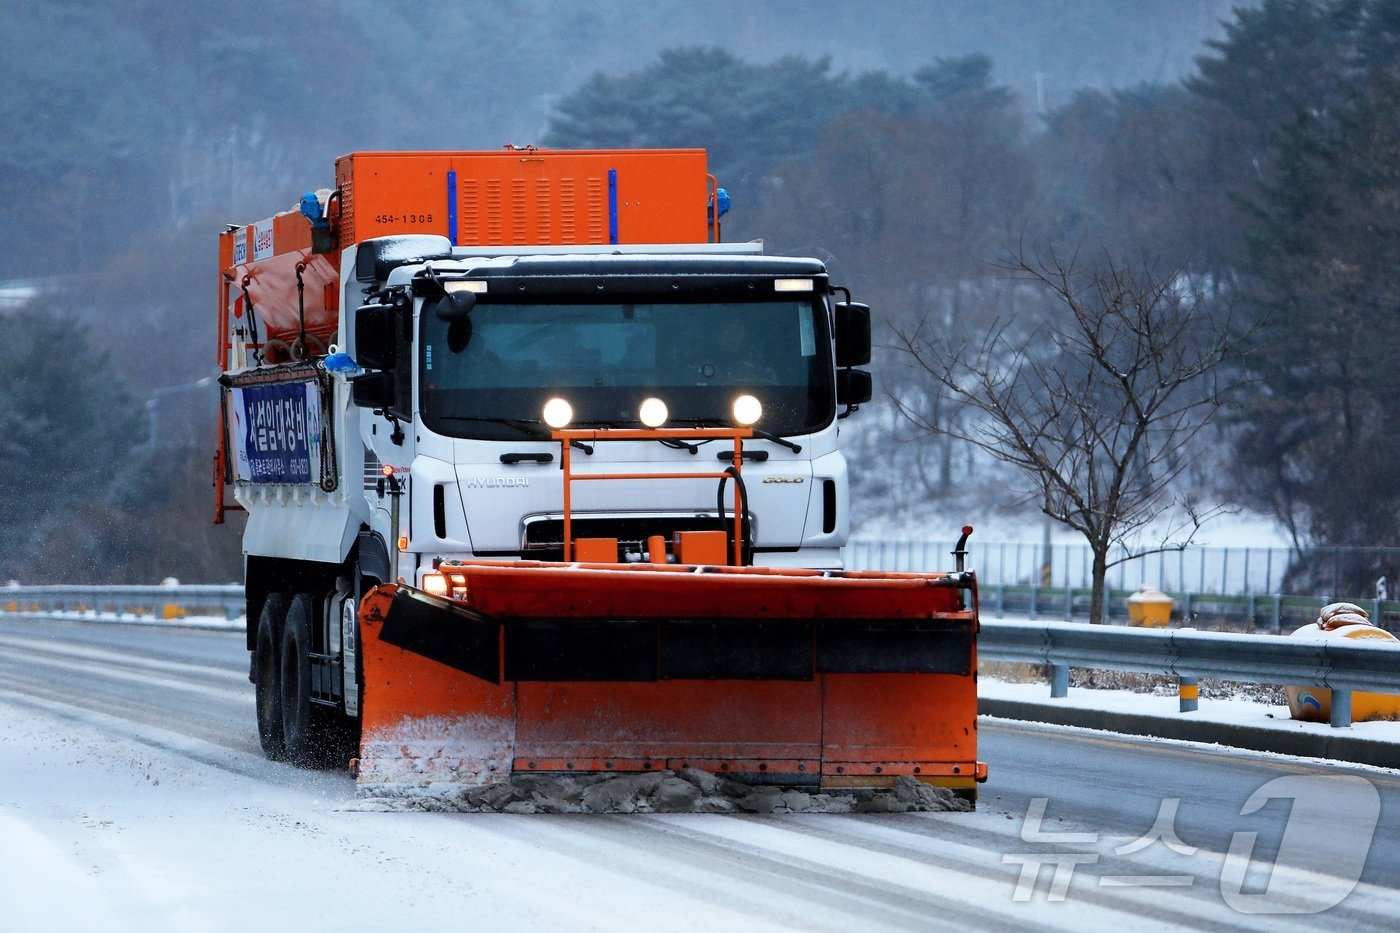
point(1325, 430)
point(748, 116)
point(1305, 103)
point(69, 437)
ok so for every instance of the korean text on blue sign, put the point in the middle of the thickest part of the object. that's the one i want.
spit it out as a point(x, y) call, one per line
point(277, 429)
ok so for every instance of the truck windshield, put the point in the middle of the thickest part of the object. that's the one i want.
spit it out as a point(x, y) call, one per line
point(489, 376)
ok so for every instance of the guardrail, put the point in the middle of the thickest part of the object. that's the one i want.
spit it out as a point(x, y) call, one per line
point(138, 602)
point(1340, 665)
point(998, 599)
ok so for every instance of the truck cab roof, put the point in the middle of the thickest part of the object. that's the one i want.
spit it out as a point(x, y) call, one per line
point(398, 259)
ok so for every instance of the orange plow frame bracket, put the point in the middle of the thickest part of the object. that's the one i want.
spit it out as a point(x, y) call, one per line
point(838, 724)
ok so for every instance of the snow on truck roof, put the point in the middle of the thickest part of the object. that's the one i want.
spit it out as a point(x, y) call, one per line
point(397, 259)
point(574, 264)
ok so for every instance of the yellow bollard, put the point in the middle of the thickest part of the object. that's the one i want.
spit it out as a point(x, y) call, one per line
point(1150, 607)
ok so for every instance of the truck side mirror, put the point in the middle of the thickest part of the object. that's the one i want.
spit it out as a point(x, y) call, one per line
point(373, 390)
point(376, 337)
point(852, 333)
point(454, 306)
point(853, 387)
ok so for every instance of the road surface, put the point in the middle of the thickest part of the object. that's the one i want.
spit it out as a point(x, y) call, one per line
point(133, 795)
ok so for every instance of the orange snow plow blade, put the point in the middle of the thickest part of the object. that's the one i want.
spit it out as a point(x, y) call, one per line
point(836, 679)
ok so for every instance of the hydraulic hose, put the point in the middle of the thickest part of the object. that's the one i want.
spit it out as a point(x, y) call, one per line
point(741, 521)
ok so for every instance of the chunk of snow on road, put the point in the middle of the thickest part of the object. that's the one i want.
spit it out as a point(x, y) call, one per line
point(688, 791)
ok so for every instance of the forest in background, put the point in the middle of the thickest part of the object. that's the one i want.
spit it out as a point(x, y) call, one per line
point(913, 149)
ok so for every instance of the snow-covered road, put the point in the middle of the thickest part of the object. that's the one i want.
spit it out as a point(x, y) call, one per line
point(132, 796)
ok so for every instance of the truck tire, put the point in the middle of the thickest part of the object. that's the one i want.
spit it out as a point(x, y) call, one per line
point(267, 674)
point(304, 724)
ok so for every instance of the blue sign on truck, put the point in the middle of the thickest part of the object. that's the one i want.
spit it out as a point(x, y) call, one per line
point(277, 432)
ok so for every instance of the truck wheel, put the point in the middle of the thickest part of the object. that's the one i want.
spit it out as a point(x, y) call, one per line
point(267, 674)
point(303, 724)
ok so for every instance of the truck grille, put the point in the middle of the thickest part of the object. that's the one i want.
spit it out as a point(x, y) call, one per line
point(372, 467)
point(544, 537)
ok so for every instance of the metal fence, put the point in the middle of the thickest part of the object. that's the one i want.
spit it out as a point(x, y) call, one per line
point(1273, 614)
point(1355, 572)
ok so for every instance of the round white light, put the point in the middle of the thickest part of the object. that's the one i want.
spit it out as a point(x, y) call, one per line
point(747, 409)
point(653, 413)
point(558, 413)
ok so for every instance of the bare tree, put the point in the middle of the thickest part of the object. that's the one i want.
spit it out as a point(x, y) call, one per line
point(1097, 403)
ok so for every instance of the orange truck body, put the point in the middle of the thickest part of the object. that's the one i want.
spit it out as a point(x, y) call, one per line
point(511, 197)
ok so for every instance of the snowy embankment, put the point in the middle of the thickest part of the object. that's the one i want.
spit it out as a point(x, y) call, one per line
point(1227, 713)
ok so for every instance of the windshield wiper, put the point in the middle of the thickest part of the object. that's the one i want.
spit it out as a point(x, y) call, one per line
point(780, 441)
point(524, 425)
point(757, 432)
point(673, 443)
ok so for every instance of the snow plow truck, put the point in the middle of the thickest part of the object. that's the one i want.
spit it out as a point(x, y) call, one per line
point(541, 476)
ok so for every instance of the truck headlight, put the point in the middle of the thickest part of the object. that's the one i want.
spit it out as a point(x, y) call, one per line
point(747, 410)
point(435, 584)
point(653, 413)
point(558, 413)
point(445, 585)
